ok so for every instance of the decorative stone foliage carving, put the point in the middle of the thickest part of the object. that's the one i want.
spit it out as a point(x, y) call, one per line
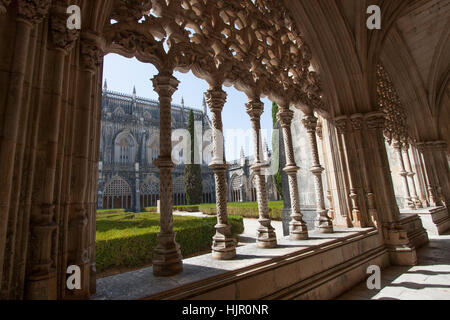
point(62, 37)
point(3, 5)
point(390, 105)
point(33, 11)
point(91, 52)
point(220, 41)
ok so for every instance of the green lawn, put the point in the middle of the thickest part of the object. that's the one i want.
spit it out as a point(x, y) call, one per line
point(123, 241)
point(243, 209)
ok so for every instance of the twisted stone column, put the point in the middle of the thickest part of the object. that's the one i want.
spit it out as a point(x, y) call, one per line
point(266, 237)
point(411, 174)
point(297, 227)
point(167, 260)
point(407, 196)
point(323, 222)
point(224, 246)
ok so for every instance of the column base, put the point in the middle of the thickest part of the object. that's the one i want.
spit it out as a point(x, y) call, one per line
point(401, 251)
point(323, 223)
point(417, 203)
point(167, 259)
point(224, 245)
point(298, 229)
point(41, 287)
point(266, 236)
point(286, 218)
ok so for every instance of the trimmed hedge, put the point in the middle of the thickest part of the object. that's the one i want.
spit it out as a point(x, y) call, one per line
point(246, 209)
point(243, 209)
point(186, 208)
point(126, 240)
point(108, 211)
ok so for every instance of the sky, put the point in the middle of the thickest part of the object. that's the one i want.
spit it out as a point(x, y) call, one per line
point(123, 73)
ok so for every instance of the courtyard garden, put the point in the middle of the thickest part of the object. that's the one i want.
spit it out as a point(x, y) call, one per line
point(125, 241)
point(242, 209)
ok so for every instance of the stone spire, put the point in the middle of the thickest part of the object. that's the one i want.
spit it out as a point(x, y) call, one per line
point(183, 116)
point(265, 150)
point(242, 156)
point(105, 86)
point(204, 106)
point(134, 92)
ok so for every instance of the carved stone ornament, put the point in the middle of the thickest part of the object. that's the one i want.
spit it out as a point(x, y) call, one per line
point(33, 11)
point(240, 43)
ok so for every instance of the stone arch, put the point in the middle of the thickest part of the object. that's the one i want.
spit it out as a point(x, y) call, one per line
point(153, 146)
point(208, 191)
point(179, 191)
point(117, 194)
point(125, 148)
point(119, 111)
point(149, 191)
point(235, 188)
point(147, 116)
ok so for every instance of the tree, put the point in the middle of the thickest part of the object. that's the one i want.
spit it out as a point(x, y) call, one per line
point(276, 152)
point(192, 172)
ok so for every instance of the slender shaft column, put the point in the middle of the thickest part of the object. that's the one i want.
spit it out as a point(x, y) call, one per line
point(323, 222)
point(266, 237)
point(167, 260)
point(352, 200)
point(407, 196)
point(224, 246)
point(411, 174)
point(428, 174)
point(297, 227)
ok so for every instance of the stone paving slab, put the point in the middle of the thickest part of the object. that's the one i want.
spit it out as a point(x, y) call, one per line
point(429, 280)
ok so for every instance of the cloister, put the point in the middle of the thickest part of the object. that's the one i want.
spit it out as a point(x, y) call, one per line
point(361, 90)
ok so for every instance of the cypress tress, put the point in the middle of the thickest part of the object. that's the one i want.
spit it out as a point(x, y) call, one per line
point(192, 172)
point(276, 151)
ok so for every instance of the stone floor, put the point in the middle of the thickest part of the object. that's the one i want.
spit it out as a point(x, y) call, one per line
point(429, 280)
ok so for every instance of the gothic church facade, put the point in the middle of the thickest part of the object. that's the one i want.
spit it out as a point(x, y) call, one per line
point(127, 176)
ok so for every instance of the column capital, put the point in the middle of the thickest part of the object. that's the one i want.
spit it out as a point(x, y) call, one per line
point(216, 98)
point(341, 124)
point(3, 5)
point(91, 51)
point(165, 84)
point(285, 116)
point(32, 11)
point(398, 145)
point(356, 121)
point(254, 108)
point(375, 120)
point(405, 146)
point(62, 38)
point(310, 123)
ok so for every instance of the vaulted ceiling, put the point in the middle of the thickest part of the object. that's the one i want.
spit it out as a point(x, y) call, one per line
point(413, 44)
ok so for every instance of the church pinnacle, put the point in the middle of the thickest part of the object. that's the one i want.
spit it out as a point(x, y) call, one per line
point(204, 105)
